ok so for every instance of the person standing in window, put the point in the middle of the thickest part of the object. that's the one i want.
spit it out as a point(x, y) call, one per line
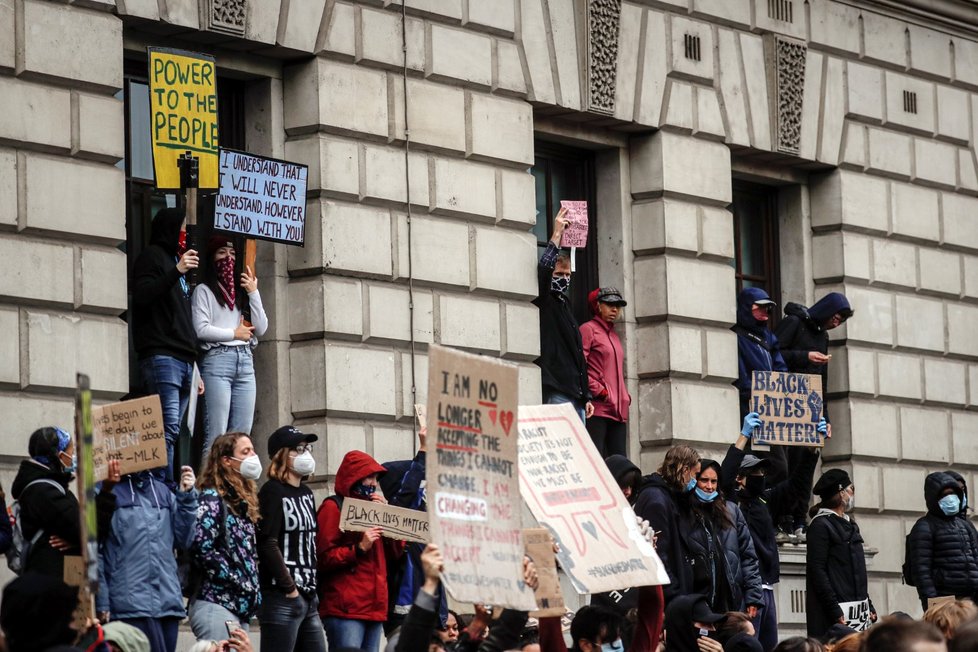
point(227, 367)
point(225, 548)
point(287, 547)
point(562, 364)
point(606, 373)
point(163, 332)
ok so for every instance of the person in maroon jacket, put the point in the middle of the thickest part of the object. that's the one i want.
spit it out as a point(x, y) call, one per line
point(353, 565)
point(606, 373)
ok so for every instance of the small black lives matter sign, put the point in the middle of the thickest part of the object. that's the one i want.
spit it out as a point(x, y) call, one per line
point(473, 487)
point(261, 198)
point(790, 406)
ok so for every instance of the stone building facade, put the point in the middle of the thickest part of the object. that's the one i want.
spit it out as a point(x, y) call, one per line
point(854, 121)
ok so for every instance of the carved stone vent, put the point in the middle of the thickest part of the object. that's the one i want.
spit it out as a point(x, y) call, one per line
point(227, 16)
point(790, 58)
point(910, 102)
point(603, 24)
point(783, 10)
point(692, 45)
point(798, 601)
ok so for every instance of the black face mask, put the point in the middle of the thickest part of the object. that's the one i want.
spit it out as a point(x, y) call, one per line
point(560, 284)
point(755, 484)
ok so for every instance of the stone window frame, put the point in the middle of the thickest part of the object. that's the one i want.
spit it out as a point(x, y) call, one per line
point(586, 277)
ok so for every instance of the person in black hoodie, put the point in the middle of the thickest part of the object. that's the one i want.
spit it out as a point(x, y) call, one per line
point(688, 619)
point(964, 491)
point(657, 503)
point(744, 480)
point(943, 549)
point(162, 327)
point(36, 614)
point(47, 508)
point(803, 336)
point(835, 571)
point(562, 364)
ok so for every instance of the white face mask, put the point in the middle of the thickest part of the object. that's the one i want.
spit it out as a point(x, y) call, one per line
point(250, 468)
point(304, 464)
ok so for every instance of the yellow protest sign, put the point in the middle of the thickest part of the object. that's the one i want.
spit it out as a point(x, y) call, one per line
point(183, 114)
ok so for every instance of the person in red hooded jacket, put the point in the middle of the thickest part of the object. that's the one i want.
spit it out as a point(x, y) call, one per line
point(353, 565)
point(606, 373)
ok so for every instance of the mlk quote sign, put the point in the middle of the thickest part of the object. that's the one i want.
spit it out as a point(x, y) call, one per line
point(473, 487)
point(183, 113)
point(261, 198)
point(130, 432)
point(790, 407)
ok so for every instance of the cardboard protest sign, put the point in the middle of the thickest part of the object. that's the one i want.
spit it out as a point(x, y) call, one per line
point(261, 198)
point(540, 548)
point(790, 407)
point(183, 114)
point(575, 235)
point(131, 432)
point(570, 491)
point(396, 522)
point(473, 486)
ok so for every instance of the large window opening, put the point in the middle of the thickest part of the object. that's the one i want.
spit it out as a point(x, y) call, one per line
point(565, 173)
point(756, 238)
point(143, 200)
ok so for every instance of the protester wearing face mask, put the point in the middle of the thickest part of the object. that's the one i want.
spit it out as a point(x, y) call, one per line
point(657, 503)
point(47, 507)
point(225, 548)
point(563, 368)
point(220, 312)
point(836, 564)
point(353, 565)
point(942, 548)
point(744, 481)
point(287, 547)
point(718, 547)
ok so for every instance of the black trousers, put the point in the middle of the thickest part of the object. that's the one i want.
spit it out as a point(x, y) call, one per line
point(608, 435)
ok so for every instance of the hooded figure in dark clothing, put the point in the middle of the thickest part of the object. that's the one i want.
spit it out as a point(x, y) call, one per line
point(162, 327)
point(36, 614)
point(803, 335)
point(685, 617)
point(943, 548)
point(757, 347)
point(964, 491)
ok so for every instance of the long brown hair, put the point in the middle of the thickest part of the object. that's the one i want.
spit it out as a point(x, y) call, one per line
point(677, 461)
point(226, 481)
point(278, 467)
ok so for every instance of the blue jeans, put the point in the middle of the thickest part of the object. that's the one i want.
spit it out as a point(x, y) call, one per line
point(170, 378)
point(344, 633)
point(290, 624)
point(229, 380)
point(553, 398)
point(161, 632)
point(207, 620)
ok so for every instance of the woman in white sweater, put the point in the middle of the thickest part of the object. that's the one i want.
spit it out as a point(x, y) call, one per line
point(221, 316)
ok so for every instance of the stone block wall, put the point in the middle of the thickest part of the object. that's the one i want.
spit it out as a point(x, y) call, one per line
point(62, 213)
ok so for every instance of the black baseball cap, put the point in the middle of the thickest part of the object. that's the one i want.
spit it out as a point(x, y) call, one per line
point(611, 296)
point(702, 613)
point(288, 437)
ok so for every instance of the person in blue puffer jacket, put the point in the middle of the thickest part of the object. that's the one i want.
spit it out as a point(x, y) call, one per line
point(137, 568)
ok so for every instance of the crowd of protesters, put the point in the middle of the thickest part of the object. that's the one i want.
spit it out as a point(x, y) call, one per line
point(230, 556)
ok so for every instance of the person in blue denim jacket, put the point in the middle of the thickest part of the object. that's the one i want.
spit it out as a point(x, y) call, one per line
point(138, 582)
point(225, 548)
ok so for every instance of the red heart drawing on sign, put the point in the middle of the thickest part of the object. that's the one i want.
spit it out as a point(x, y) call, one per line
point(506, 421)
point(492, 416)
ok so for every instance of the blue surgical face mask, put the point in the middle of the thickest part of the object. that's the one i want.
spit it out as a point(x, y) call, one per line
point(74, 464)
point(964, 501)
point(690, 485)
point(705, 497)
point(617, 646)
point(950, 505)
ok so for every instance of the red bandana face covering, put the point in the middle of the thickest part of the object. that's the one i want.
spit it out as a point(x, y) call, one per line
point(225, 280)
point(182, 244)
